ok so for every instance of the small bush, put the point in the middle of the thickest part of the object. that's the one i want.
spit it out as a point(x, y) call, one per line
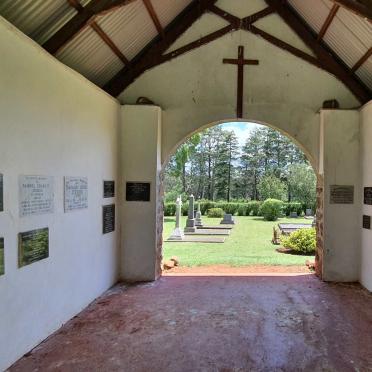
point(253, 207)
point(205, 205)
point(301, 241)
point(271, 209)
point(215, 213)
point(242, 209)
point(185, 209)
point(288, 208)
point(169, 209)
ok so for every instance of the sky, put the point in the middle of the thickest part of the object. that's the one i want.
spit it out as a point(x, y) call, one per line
point(242, 130)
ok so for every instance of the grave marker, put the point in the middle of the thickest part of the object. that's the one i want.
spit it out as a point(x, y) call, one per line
point(138, 191)
point(177, 233)
point(368, 195)
point(2, 261)
point(1, 194)
point(190, 223)
point(198, 219)
point(108, 218)
point(108, 189)
point(33, 246)
point(227, 219)
point(366, 222)
point(341, 194)
point(36, 195)
point(76, 193)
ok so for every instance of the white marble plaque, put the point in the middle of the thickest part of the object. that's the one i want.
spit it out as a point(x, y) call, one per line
point(76, 193)
point(36, 195)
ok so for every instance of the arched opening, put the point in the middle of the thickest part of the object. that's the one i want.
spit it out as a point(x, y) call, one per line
point(244, 188)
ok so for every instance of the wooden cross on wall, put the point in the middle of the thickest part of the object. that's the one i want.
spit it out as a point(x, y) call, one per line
point(240, 62)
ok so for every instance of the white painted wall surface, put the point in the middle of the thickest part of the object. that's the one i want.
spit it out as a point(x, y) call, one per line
point(366, 163)
point(341, 221)
point(140, 146)
point(197, 89)
point(52, 122)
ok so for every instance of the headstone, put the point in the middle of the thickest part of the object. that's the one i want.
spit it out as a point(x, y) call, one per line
point(341, 194)
point(366, 222)
point(177, 233)
point(33, 246)
point(1, 194)
point(293, 215)
point(108, 189)
point(137, 191)
point(190, 223)
point(36, 195)
point(308, 212)
point(2, 262)
point(76, 193)
point(108, 218)
point(368, 195)
point(227, 219)
point(198, 217)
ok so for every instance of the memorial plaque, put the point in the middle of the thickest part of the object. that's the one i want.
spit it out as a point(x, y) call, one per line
point(108, 218)
point(341, 194)
point(76, 193)
point(2, 263)
point(33, 246)
point(1, 194)
point(138, 191)
point(366, 222)
point(36, 195)
point(108, 189)
point(368, 195)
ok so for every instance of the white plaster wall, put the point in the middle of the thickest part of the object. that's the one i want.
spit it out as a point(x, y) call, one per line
point(197, 89)
point(341, 221)
point(52, 122)
point(366, 162)
point(140, 143)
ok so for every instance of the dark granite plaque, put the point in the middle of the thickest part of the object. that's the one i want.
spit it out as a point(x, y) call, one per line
point(366, 222)
point(33, 246)
point(138, 191)
point(108, 218)
point(1, 193)
point(2, 263)
point(342, 194)
point(368, 195)
point(108, 189)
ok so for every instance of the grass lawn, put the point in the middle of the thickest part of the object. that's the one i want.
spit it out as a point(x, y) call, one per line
point(248, 244)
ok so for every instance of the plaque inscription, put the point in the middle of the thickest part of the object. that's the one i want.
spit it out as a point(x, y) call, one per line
point(341, 194)
point(108, 218)
point(366, 222)
point(368, 195)
point(2, 263)
point(138, 191)
point(108, 189)
point(33, 246)
point(36, 195)
point(1, 194)
point(76, 193)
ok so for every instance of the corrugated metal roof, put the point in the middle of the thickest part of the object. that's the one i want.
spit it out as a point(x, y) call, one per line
point(89, 55)
point(39, 19)
point(167, 10)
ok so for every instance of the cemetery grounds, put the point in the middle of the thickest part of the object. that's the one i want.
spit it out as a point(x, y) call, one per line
point(249, 244)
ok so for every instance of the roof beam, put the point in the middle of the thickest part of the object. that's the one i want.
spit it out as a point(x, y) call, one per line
point(325, 57)
point(362, 59)
point(154, 16)
point(151, 56)
point(328, 21)
point(79, 21)
point(361, 8)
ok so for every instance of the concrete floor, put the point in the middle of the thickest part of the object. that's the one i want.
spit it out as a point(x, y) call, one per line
point(237, 323)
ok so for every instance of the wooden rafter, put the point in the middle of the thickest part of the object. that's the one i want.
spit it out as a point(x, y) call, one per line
point(362, 59)
point(326, 57)
point(106, 39)
point(81, 20)
point(361, 8)
point(152, 55)
point(154, 17)
point(328, 21)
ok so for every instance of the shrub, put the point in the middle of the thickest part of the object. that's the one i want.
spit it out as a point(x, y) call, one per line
point(231, 208)
point(185, 209)
point(169, 209)
point(242, 209)
point(288, 208)
point(271, 209)
point(301, 241)
point(205, 205)
point(215, 212)
point(253, 207)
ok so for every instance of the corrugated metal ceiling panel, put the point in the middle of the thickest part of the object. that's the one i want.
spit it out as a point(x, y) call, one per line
point(168, 10)
point(130, 28)
point(39, 19)
point(365, 73)
point(89, 55)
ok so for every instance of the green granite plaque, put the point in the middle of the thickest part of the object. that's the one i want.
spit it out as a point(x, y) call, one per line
point(2, 263)
point(33, 246)
point(1, 193)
